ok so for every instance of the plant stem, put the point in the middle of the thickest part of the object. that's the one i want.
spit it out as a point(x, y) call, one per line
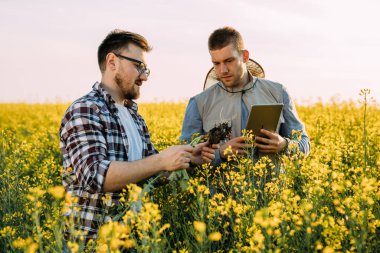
point(365, 130)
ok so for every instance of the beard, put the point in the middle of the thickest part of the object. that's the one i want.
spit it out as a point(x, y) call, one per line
point(130, 90)
point(232, 83)
point(235, 81)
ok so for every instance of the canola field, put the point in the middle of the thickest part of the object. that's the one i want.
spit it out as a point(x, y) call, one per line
point(327, 202)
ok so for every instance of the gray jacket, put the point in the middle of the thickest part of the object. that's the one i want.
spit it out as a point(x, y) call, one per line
point(216, 105)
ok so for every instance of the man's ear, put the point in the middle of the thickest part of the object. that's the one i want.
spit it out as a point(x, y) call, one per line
point(111, 61)
point(245, 55)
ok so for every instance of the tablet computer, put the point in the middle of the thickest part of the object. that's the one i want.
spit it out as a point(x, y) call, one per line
point(264, 116)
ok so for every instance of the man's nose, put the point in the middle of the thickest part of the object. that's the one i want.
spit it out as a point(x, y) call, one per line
point(143, 76)
point(224, 68)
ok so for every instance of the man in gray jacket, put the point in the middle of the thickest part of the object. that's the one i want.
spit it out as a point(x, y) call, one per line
point(232, 97)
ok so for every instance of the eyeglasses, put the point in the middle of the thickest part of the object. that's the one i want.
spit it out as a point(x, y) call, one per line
point(141, 68)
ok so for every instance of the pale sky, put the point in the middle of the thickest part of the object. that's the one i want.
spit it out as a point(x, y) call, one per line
point(317, 49)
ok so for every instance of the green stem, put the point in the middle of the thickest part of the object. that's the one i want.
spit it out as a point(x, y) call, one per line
point(365, 130)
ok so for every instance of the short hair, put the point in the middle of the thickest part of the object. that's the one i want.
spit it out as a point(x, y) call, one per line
point(223, 37)
point(117, 40)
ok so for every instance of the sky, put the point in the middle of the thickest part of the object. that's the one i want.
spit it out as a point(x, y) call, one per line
point(317, 49)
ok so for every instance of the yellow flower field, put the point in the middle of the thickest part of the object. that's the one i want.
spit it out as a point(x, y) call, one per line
point(327, 202)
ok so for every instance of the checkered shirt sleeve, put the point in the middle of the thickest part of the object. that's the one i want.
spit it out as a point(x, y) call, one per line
point(91, 136)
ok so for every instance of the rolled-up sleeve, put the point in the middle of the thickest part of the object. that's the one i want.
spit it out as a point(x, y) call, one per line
point(84, 148)
point(292, 122)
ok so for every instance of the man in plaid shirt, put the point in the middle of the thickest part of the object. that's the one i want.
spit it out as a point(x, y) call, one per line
point(105, 142)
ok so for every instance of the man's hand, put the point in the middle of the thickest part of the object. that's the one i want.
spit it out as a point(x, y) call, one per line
point(273, 143)
point(176, 157)
point(203, 154)
point(238, 146)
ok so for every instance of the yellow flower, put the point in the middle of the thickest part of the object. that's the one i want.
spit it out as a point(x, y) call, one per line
point(328, 249)
point(165, 226)
point(319, 245)
point(129, 243)
point(57, 192)
point(19, 243)
point(134, 192)
point(32, 248)
point(31, 198)
point(115, 243)
point(7, 231)
point(200, 226)
point(228, 150)
point(36, 191)
point(215, 236)
point(74, 247)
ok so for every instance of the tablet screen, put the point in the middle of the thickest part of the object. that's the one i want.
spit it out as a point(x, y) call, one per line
point(264, 116)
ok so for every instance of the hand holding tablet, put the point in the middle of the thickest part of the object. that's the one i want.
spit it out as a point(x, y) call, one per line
point(263, 121)
point(264, 117)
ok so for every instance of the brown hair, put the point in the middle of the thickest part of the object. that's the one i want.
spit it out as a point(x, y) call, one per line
point(225, 36)
point(118, 39)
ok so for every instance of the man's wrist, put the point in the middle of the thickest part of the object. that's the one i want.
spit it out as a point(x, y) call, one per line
point(286, 147)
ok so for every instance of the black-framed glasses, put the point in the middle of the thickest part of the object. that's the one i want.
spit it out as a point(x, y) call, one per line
point(141, 68)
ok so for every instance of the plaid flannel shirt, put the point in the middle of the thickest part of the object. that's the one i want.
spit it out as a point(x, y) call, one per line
point(91, 136)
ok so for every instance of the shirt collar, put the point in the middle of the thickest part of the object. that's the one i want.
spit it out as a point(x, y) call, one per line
point(130, 104)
